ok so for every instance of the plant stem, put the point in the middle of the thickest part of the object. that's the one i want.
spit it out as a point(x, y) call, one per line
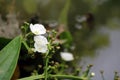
point(69, 77)
point(46, 67)
point(55, 76)
point(30, 33)
point(62, 68)
point(33, 77)
point(25, 44)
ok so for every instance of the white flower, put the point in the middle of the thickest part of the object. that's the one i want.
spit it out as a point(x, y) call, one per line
point(40, 39)
point(40, 44)
point(40, 48)
point(67, 56)
point(92, 74)
point(37, 29)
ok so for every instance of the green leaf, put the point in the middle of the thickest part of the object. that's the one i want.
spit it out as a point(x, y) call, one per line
point(68, 37)
point(4, 42)
point(8, 58)
point(64, 13)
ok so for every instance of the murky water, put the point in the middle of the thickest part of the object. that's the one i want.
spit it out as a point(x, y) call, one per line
point(106, 59)
point(101, 48)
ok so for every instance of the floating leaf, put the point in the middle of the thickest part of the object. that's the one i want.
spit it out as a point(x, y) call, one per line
point(8, 58)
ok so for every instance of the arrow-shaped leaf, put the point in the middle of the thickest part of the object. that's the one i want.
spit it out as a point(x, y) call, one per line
point(8, 58)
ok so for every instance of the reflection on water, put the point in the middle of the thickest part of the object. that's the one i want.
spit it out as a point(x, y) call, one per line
point(106, 59)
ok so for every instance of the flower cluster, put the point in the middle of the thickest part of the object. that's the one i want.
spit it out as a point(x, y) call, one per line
point(41, 41)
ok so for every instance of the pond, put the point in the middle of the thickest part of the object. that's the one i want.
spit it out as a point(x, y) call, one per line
point(106, 59)
point(103, 52)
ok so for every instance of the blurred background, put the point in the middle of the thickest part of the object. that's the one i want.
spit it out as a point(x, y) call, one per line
point(93, 24)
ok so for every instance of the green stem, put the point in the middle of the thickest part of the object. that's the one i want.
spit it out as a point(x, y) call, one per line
point(55, 76)
point(30, 33)
point(25, 44)
point(46, 65)
point(32, 77)
point(46, 68)
point(69, 77)
point(62, 68)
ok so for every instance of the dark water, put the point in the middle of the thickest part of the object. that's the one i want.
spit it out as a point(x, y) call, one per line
point(102, 47)
point(106, 59)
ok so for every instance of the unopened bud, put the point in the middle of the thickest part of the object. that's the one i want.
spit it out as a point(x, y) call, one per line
point(92, 74)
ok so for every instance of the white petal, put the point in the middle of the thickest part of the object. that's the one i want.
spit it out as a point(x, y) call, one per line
point(40, 39)
point(37, 29)
point(67, 56)
point(40, 48)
